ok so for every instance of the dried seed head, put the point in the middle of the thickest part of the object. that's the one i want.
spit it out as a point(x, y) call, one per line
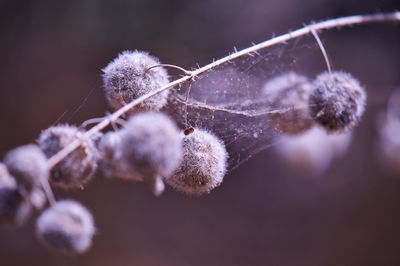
point(203, 165)
point(389, 142)
point(288, 95)
point(337, 101)
point(14, 208)
point(388, 127)
point(77, 169)
point(148, 146)
point(66, 227)
point(151, 145)
point(28, 165)
point(6, 180)
point(313, 150)
point(110, 153)
point(110, 163)
point(128, 77)
point(393, 106)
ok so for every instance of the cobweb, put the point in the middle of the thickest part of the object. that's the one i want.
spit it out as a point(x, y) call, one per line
point(227, 100)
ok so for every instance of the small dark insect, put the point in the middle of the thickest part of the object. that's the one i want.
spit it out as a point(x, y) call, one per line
point(188, 131)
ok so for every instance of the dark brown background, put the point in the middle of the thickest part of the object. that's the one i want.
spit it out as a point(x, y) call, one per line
point(51, 53)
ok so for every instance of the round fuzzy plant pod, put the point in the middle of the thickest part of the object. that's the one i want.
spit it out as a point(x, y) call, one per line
point(393, 106)
point(203, 164)
point(128, 77)
point(110, 162)
point(148, 146)
point(151, 145)
point(312, 151)
point(28, 165)
point(288, 96)
point(337, 101)
point(15, 209)
point(389, 143)
point(388, 127)
point(77, 169)
point(66, 227)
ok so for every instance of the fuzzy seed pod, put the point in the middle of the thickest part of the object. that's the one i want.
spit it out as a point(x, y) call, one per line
point(393, 106)
point(288, 95)
point(109, 147)
point(66, 227)
point(148, 146)
point(312, 151)
point(28, 165)
point(203, 165)
point(389, 143)
point(127, 78)
point(151, 145)
point(337, 101)
point(77, 169)
point(14, 208)
point(109, 154)
point(388, 127)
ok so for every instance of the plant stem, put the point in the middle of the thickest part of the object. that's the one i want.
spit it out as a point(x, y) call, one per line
point(323, 25)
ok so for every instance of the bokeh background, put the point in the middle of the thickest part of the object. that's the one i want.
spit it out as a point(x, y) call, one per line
point(51, 55)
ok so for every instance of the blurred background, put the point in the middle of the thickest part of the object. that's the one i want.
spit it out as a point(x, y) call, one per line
point(51, 56)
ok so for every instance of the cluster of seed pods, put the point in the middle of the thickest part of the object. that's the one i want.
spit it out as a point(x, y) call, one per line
point(315, 118)
point(148, 147)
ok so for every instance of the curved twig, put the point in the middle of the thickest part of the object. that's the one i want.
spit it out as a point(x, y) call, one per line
point(323, 25)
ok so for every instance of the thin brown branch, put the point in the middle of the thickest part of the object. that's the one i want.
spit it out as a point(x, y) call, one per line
point(323, 25)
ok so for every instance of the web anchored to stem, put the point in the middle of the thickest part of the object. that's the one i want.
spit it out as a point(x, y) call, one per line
point(328, 24)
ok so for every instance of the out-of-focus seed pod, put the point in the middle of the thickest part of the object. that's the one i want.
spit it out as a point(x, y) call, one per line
point(15, 209)
point(146, 148)
point(28, 165)
point(288, 96)
point(66, 227)
point(388, 145)
point(312, 151)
